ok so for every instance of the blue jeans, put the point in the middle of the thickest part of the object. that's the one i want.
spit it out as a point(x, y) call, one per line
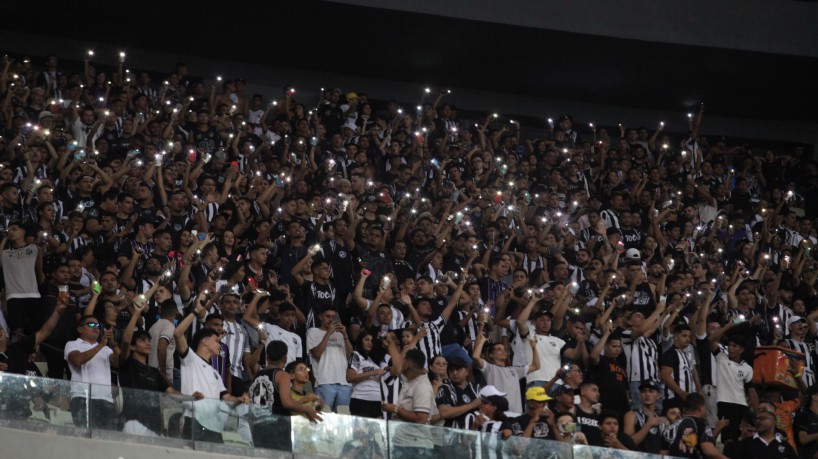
point(452, 351)
point(334, 395)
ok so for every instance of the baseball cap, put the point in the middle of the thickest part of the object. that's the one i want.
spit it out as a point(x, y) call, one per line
point(540, 313)
point(351, 95)
point(44, 114)
point(649, 385)
point(633, 254)
point(491, 391)
point(537, 394)
point(795, 319)
point(563, 389)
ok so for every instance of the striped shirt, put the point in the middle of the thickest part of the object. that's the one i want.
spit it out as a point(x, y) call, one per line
point(643, 357)
point(682, 367)
point(532, 264)
point(610, 218)
point(430, 344)
point(809, 367)
point(238, 342)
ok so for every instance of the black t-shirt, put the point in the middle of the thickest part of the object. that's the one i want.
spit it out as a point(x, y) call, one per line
point(806, 421)
point(588, 424)
point(142, 405)
point(541, 428)
point(612, 378)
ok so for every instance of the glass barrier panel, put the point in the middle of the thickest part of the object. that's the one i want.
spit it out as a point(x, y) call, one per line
point(223, 427)
point(599, 452)
point(533, 448)
point(137, 415)
point(271, 434)
point(339, 436)
point(40, 404)
point(415, 441)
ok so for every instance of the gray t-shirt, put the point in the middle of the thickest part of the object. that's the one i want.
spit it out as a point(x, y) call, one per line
point(415, 395)
point(19, 274)
point(507, 379)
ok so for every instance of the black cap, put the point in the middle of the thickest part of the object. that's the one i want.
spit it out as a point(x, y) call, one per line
point(542, 312)
point(649, 385)
point(563, 389)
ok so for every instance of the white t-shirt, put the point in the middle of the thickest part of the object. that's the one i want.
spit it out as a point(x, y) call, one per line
point(548, 349)
point(370, 388)
point(162, 330)
point(95, 371)
point(199, 376)
point(521, 349)
point(732, 379)
point(331, 368)
point(292, 340)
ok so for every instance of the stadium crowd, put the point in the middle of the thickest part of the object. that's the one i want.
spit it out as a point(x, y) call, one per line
point(294, 256)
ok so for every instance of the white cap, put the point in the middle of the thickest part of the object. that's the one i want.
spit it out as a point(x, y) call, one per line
point(633, 254)
point(488, 391)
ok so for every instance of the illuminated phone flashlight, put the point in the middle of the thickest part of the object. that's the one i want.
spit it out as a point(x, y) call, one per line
point(90, 52)
point(690, 116)
point(551, 122)
point(565, 150)
point(427, 90)
point(122, 56)
point(591, 125)
point(218, 78)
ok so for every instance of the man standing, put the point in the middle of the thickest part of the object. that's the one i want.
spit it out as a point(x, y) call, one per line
point(677, 370)
point(330, 348)
point(548, 346)
point(735, 377)
point(273, 402)
point(415, 404)
point(201, 380)
point(141, 413)
point(163, 345)
point(90, 362)
point(609, 372)
point(23, 270)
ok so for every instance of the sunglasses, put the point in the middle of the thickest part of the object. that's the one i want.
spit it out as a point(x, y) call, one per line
point(93, 325)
